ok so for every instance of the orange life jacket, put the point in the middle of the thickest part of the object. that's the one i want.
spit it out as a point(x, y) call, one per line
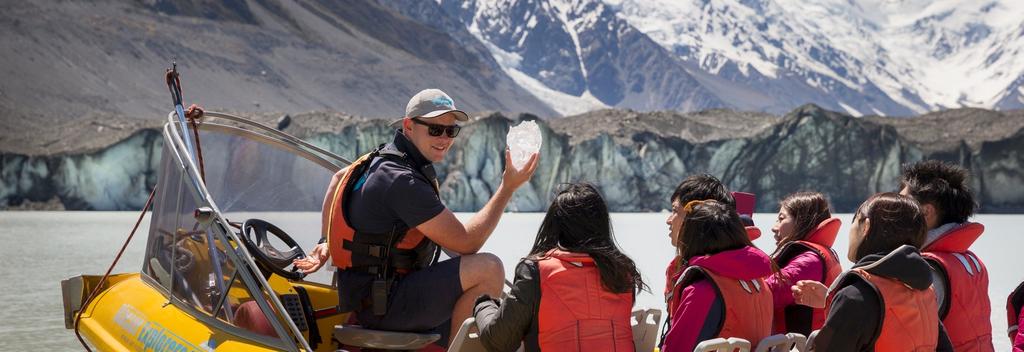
point(748, 304)
point(967, 309)
point(910, 318)
point(400, 251)
point(1013, 306)
point(576, 312)
point(820, 242)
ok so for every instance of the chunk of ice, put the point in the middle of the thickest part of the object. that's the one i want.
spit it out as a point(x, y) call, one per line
point(523, 141)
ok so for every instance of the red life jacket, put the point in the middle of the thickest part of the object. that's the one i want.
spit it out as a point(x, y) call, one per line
point(576, 312)
point(967, 309)
point(748, 304)
point(753, 232)
point(400, 251)
point(819, 241)
point(910, 318)
point(1013, 307)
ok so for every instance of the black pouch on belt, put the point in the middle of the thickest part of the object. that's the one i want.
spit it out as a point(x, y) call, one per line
point(379, 296)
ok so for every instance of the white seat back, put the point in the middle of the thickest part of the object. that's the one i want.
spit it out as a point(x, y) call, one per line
point(809, 346)
point(732, 344)
point(780, 343)
point(467, 339)
point(645, 328)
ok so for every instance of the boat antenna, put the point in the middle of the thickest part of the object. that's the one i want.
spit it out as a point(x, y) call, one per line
point(193, 115)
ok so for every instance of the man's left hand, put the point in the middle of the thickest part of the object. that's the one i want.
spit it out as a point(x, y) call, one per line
point(315, 260)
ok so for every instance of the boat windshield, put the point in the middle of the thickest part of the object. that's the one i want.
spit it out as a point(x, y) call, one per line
point(247, 175)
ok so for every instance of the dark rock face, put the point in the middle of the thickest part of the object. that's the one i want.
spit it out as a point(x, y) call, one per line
point(636, 159)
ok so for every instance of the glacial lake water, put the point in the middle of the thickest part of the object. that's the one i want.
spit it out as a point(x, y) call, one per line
point(38, 249)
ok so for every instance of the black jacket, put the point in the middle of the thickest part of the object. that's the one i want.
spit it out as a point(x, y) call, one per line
point(504, 325)
point(854, 320)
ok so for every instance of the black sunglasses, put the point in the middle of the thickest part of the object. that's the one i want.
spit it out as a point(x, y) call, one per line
point(435, 130)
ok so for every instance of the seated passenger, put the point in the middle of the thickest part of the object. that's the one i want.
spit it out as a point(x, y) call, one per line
point(384, 225)
point(722, 292)
point(886, 302)
point(1015, 318)
point(573, 292)
point(695, 187)
point(804, 232)
point(959, 276)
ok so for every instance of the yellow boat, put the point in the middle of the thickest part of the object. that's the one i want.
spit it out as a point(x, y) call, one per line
point(212, 278)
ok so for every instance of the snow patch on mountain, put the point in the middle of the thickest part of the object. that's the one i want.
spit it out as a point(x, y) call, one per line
point(563, 103)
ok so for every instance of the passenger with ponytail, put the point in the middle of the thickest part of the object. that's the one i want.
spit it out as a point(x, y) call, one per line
point(574, 291)
point(804, 232)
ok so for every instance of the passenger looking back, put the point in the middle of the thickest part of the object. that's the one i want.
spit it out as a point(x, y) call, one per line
point(804, 232)
point(573, 292)
point(722, 292)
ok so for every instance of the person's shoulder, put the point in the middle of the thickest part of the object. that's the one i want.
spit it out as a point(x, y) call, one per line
point(856, 290)
point(805, 258)
point(700, 286)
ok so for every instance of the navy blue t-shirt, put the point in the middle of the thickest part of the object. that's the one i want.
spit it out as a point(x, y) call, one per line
point(393, 193)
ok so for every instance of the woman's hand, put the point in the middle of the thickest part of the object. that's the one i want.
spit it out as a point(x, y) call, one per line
point(809, 293)
point(315, 260)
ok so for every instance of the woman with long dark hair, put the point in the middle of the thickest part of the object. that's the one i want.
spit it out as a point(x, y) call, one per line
point(804, 233)
point(574, 291)
point(886, 302)
point(722, 292)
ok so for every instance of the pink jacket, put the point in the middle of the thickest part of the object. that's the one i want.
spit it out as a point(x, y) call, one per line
point(694, 320)
point(805, 266)
point(1018, 341)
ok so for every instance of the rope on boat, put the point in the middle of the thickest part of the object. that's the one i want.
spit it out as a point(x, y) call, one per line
point(96, 290)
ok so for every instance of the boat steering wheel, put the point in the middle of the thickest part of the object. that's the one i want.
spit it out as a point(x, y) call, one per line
point(254, 234)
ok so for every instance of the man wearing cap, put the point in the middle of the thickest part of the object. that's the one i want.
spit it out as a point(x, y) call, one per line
point(400, 193)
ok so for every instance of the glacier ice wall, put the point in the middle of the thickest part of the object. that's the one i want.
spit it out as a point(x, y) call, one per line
point(810, 149)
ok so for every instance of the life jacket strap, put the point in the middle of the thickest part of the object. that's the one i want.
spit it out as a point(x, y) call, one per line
point(364, 248)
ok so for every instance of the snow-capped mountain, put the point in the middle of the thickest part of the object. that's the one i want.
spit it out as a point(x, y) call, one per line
point(578, 55)
point(886, 57)
point(871, 56)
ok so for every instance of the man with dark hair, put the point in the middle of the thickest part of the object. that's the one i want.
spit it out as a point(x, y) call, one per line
point(701, 187)
point(693, 187)
point(959, 277)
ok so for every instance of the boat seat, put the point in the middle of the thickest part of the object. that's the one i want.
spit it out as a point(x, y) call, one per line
point(782, 342)
point(357, 336)
point(468, 338)
point(645, 328)
point(810, 341)
point(732, 344)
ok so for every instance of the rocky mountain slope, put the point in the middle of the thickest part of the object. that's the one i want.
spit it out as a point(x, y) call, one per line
point(67, 60)
point(636, 159)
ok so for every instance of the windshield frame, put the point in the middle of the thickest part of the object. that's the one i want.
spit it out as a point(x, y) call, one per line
point(256, 284)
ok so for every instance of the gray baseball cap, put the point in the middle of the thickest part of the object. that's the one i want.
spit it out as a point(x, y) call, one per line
point(431, 103)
